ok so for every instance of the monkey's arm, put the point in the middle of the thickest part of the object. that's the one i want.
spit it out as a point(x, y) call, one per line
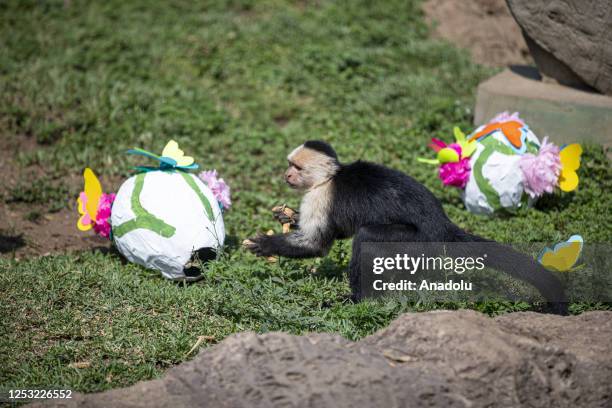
point(292, 245)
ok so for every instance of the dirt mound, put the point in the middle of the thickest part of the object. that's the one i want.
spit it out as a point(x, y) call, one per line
point(485, 27)
point(427, 359)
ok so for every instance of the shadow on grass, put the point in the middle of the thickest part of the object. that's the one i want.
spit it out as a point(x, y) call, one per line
point(232, 243)
point(557, 202)
point(112, 250)
point(329, 269)
point(11, 243)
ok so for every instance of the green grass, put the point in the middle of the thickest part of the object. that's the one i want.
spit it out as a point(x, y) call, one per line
point(237, 84)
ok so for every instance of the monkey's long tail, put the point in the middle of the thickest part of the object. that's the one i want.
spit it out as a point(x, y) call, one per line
point(521, 266)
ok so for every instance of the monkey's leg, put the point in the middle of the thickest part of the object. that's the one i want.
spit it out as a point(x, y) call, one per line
point(376, 233)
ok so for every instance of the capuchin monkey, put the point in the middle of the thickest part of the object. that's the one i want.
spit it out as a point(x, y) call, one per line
point(376, 204)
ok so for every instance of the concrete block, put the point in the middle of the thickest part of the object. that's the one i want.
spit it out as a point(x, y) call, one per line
point(564, 114)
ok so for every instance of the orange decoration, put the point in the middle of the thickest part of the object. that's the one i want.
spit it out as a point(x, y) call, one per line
point(510, 129)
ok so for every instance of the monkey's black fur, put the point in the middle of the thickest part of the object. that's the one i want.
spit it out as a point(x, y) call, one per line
point(376, 204)
point(322, 147)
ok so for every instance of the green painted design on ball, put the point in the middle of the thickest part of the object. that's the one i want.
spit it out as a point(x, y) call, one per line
point(491, 145)
point(144, 219)
point(191, 182)
point(532, 147)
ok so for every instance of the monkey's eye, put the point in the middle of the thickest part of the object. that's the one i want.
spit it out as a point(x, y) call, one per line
point(295, 166)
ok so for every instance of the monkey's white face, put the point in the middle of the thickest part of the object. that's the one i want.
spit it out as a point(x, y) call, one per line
point(308, 168)
point(294, 176)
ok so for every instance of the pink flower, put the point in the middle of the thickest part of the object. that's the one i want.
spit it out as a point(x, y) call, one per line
point(541, 171)
point(218, 186)
point(102, 226)
point(506, 117)
point(455, 173)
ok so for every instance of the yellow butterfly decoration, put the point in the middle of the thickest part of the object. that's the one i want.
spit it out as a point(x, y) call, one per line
point(570, 162)
point(172, 151)
point(89, 200)
point(563, 256)
point(171, 158)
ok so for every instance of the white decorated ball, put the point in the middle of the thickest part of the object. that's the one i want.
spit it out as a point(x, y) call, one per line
point(496, 180)
point(160, 218)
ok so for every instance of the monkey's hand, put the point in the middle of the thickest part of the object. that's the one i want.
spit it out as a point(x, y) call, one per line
point(286, 215)
point(260, 245)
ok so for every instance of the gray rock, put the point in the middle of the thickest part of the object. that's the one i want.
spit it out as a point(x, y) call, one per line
point(439, 358)
point(570, 40)
point(565, 114)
